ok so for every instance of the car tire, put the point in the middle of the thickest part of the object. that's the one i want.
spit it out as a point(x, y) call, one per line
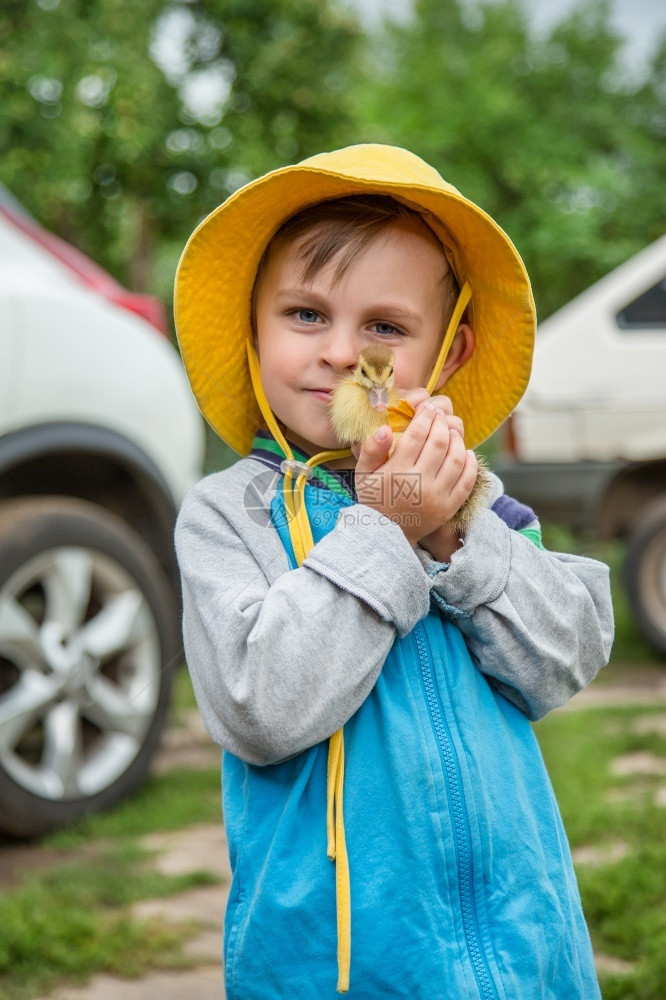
point(645, 574)
point(88, 642)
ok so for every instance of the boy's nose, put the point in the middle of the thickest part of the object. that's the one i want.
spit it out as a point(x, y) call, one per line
point(340, 348)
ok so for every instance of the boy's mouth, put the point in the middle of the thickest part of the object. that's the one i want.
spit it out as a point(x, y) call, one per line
point(324, 394)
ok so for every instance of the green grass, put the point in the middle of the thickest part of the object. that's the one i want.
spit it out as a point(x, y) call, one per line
point(182, 696)
point(64, 924)
point(624, 901)
point(165, 802)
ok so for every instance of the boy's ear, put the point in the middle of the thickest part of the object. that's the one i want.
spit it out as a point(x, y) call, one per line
point(461, 350)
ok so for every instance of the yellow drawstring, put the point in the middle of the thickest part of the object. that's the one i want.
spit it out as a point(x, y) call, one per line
point(456, 315)
point(337, 851)
point(302, 541)
point(300, 533)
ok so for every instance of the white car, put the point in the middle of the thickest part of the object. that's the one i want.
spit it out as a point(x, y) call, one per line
point(588, 440)
point(99, 440)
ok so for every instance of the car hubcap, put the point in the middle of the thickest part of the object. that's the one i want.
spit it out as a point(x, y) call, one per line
point(79, 673)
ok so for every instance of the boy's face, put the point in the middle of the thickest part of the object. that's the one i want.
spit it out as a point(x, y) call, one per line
point(310, 335)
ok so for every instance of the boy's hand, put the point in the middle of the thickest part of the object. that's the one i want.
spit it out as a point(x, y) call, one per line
point(427, 478)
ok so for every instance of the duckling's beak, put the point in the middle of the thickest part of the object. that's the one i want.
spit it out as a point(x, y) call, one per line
point(379, 397)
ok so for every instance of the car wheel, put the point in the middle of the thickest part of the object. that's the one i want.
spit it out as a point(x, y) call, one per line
point(645, 574)
point(87, 645)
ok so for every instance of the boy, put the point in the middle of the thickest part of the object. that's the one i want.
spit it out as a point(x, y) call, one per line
point(344, 645)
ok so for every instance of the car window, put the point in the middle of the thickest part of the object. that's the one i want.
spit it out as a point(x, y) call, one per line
point(647, 312)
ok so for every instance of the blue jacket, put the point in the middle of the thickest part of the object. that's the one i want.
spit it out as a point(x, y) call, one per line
point(462, 883)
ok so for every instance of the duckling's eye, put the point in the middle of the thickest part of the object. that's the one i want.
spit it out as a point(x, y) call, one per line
point(390, 371)
point(364, 373)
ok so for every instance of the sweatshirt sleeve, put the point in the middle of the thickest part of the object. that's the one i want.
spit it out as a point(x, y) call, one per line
point(257, 650)
point(539, 624)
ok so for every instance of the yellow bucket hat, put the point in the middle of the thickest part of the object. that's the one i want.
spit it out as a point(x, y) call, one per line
point(217, 270)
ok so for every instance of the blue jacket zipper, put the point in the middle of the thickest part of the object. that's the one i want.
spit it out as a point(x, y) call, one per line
point(463, 841)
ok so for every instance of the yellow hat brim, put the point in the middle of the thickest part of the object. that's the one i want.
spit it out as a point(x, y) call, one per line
point(216, 274)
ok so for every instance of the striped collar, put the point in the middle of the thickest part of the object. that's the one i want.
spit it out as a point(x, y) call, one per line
point(265, 449)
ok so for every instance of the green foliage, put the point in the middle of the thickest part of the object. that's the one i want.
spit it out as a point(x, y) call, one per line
point(623, 899)
point(547, 134)
point(103, 146)
point(100, 136)
point(82, 124)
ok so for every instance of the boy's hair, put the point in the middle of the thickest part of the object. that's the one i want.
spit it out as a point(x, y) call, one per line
point(345, 228)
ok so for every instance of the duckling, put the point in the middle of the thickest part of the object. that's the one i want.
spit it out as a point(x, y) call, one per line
point(365, 400)
point(361, 400)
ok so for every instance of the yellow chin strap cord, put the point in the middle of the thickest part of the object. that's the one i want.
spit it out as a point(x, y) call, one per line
point(302, 541)
point(451, 330)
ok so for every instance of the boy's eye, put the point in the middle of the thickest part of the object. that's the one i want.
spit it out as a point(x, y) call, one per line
point(306, 315)
point(385, 329)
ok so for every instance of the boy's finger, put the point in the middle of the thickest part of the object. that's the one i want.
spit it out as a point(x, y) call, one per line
point(458, 471)
point(417, 398)
point(456, 424)
point(442, 403)
point(456, 454)
point(412, 440)
point(373, 450)
point(437, 445)
point(466, 480)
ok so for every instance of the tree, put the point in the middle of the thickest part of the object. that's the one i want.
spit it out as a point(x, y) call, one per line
point(547, 134)
point(100, 137)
